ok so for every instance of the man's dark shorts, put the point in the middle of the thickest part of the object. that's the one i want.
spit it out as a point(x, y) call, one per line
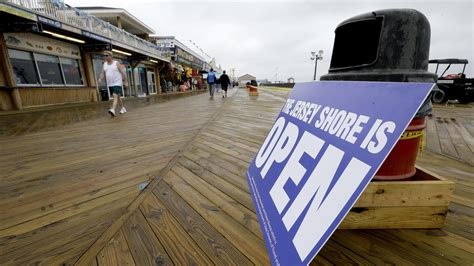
point(116, 89)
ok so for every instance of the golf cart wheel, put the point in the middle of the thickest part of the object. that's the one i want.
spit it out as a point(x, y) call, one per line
point(439, 96)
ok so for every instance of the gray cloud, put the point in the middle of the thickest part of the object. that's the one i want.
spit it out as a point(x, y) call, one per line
point(259, 37)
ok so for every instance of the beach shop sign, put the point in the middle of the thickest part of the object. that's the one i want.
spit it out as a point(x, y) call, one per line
point(327, 143)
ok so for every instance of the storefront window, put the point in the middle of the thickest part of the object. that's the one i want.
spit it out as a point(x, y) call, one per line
point(23, 67)
point(72, 72)
point(49, 68)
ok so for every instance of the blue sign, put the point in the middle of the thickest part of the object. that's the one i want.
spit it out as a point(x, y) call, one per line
point(327, 143)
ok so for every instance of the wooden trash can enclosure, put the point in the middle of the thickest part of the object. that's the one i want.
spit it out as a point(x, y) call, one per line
point(253, 91)
point(421, 202)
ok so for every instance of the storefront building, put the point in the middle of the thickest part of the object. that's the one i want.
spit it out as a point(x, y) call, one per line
point(186, 64)
point(53, 54)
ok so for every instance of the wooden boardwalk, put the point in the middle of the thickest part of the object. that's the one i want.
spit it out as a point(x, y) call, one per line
point(450, 132)
point(71, 195)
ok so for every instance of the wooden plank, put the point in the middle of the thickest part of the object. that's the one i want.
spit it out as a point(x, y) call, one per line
point(219, 170)
point(249, 244)
point(146, 249)
point(177, 243)
point(69, 145)
point(213, 129)
point(426, 251)
point(65, 213)
point(220, 182)
point(448, 168)
point(67, 254)
point(49, 185)
point(406, 193)
point(106, 156)
point(394, 217)
point(59, 240)
point(459, 242)
point(458, 229)
point(241, 146)
point(47, 207)
point(387, 239)
point(217, 248)
point(447, 146)
point(340, 255)
point(223, 153)
point(461, 146)
point(104, 213)
point(460, 223)
point(466, 199)
point(461, 251)
point(468, 137)
point(93, 263)
point(372, 249)
point(237, 169)
point(116, 252)
point(233, 208)
point(229, 152)
point(43, 180)
point(432, 139)
point(320, 260)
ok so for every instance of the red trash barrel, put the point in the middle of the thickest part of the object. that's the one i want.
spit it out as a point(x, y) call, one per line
point(400, 163)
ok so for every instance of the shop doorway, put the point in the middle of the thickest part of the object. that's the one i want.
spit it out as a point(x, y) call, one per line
point(141, 81)
point(151, 80)
point(129, 91)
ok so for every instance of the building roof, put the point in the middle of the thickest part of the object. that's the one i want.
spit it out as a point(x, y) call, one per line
point(129, 22)
point(247, 77)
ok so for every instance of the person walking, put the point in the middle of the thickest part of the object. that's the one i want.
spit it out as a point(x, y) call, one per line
point(115, 77)
point(224, 81)
point(211, 80)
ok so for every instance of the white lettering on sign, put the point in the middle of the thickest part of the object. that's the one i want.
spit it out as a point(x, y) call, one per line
point(379, 128)
point(319, 181)
point(320, 215)
point(293, 170)
point(272, 137)
point(341, 123)
point(315, 191)
point(282, 148)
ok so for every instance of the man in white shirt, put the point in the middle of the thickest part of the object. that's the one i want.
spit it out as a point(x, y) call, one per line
point(115, 77)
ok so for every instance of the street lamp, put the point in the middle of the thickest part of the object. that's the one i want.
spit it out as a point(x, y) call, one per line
point(316, 57)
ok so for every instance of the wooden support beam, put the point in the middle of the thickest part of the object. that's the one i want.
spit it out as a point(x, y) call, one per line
point(8, 74)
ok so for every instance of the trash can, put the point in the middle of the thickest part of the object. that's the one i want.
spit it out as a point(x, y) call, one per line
point(387, 45)
point(104, 96)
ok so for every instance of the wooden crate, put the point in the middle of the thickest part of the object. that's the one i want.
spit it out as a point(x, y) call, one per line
point(419, 203)
point(252, 90)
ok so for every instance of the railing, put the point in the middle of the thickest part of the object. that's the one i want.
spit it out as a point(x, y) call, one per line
point(62, 12)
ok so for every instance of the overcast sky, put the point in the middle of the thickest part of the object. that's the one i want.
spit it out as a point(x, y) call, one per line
point(273, 39)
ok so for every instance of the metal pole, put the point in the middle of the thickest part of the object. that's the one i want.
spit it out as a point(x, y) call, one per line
point(315, 67)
